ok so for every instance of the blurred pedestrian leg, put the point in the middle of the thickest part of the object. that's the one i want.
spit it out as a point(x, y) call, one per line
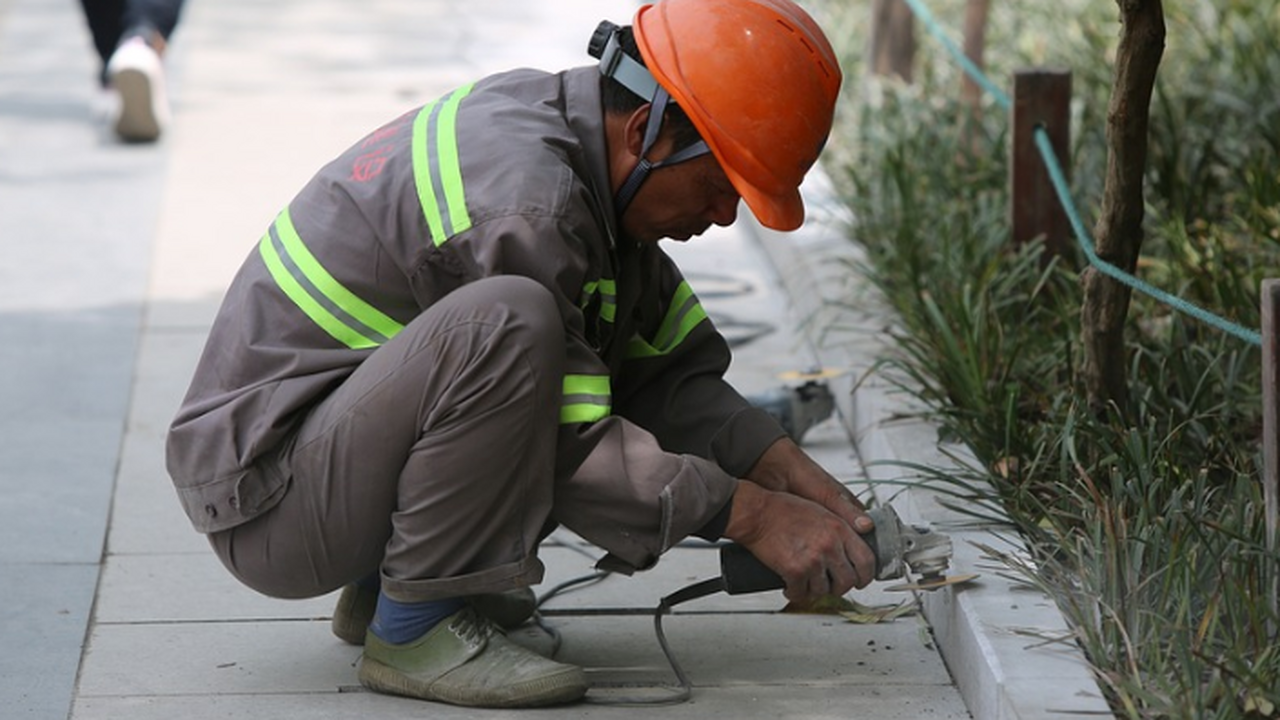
point(130, 37)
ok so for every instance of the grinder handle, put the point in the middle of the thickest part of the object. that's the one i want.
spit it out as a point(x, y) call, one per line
point(743, 573)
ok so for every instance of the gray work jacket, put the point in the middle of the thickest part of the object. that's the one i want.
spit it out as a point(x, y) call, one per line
point(505, 176)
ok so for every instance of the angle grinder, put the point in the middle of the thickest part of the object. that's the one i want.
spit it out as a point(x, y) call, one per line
point(898, 548)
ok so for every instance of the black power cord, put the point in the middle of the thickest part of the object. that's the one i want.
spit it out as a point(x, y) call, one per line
point(541, 622)
point(691, 592)
point(740, 572)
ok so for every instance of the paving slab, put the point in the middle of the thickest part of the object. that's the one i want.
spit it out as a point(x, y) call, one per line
point(790, 650)
point(213, 658)
point(77, 217)
point(189, 587)
point(805, 652)
point(46, 609)
point(931, 703)
point(147, 517)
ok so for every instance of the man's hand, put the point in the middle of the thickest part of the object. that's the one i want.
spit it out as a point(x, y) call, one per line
point(786, 468)
point(816, 551)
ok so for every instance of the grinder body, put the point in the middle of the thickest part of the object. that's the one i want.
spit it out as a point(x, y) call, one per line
point(896, 546)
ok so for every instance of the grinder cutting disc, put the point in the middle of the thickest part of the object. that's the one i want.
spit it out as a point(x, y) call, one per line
point(933, 583)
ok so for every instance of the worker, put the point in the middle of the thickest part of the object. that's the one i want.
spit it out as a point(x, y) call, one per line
point(462, 333)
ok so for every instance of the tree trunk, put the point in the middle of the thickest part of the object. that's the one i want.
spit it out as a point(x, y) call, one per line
point(1119, 230)
point(975, 43)
point(893, 39)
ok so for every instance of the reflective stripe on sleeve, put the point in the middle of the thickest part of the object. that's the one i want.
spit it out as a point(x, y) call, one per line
point(608, 291)
point(682, 317)
point(338, 311)
point(608, 299)
point(587, 398)
point(437, 172)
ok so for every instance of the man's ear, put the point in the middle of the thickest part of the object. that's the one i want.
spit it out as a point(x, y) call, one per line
point(634, 130)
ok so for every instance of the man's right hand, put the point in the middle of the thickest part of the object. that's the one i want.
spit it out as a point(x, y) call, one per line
point(814, 550)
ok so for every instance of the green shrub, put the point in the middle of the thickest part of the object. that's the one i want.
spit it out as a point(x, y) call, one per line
point(1149, 530)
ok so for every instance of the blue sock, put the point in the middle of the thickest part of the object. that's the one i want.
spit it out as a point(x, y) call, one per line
point(400, 622)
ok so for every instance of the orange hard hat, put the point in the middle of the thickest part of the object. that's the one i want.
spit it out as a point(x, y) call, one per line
point(758, 79)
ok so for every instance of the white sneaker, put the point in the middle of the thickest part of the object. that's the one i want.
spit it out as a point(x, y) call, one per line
point(135, 71)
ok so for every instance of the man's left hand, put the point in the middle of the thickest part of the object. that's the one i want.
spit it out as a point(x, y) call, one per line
point(784, 467)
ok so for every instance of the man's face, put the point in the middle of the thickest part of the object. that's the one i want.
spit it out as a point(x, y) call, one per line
point(681, 201)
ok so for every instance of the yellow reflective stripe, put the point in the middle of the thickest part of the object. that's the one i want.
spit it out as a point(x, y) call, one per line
point(608, 299)
point(587, 398)
point(638, 348)
point(608, 290)
point(691, 320)
point(682, 317)
point(574, 414)
point(345, 300)
point(450, 168)
point(435, 160)
point(339, 330)
point(422, 176)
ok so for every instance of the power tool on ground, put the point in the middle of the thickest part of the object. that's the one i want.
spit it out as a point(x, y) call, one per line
point(798, 408)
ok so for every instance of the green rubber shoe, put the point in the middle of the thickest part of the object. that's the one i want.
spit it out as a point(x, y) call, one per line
point(354, 612)
point(467, 660)
point(357, 604)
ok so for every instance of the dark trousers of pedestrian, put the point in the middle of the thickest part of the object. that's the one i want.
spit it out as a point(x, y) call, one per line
point(111, 20)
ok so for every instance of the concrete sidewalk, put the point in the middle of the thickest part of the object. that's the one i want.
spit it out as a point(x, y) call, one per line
point(116, 260)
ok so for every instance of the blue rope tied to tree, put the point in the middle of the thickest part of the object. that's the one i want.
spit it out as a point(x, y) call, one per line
point(1058, 178)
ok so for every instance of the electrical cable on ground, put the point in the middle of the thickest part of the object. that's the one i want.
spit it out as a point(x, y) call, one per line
point(684, 690)
point(541, 622)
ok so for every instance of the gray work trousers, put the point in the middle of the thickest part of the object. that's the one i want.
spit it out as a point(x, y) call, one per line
point(433, 462)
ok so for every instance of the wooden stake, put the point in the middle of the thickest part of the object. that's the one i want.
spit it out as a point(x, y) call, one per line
point(1041, 98)
point(1271, 423)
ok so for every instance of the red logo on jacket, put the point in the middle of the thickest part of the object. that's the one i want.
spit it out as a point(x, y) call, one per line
point(369, 165)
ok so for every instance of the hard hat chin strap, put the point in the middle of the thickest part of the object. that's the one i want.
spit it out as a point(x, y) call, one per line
point(616, 64)
point(641, 171)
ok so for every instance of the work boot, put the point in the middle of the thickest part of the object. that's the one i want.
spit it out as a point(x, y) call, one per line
point(467, 660)
point(357, 603)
